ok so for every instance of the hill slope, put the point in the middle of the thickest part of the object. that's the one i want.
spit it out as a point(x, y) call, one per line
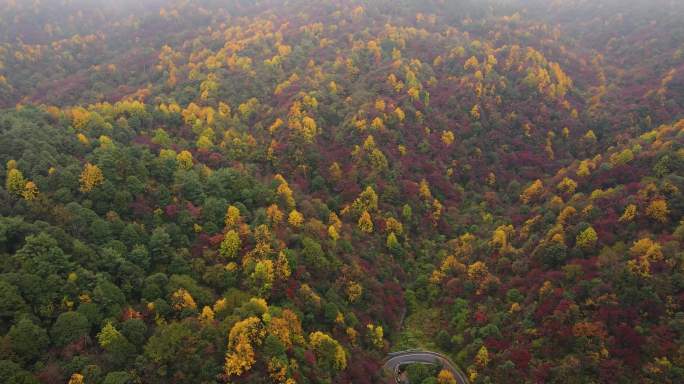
point(205, 191)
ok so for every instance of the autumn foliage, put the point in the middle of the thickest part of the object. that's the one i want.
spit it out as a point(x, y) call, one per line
point(284, 192)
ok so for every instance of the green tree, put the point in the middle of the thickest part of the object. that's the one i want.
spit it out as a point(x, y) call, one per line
point(177, 351)
point(28, 340)
point(109, 297)
point(118, 377)
point(313, 255)
point(134, 330)
point(69, 327)
point(92, 312)
point(160, 245)
point(553, 255)
point(41, 255)
point(10, 300)
point(12, 373)
point(139, 256)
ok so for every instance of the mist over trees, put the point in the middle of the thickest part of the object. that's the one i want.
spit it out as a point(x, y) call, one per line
point(285, 191)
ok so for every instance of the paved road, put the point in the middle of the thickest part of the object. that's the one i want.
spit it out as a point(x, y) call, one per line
point(396, 359)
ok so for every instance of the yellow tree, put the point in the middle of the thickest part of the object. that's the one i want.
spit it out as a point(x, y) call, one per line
point(332, 232)
point(301, 124)
point(365, 223)
point(475, 112)
point(447, 138)
point(658, 210)
point(207, 314)
point(414, 93)
point(106, 142)
point(647, 248)
point(309, 129)
point(352, 335)
point(436, 211)
point(491, 179)
point(589, 137)
point(15, 182)
point(471, 63)
point(263, 276)
point(182, 299)
point(445, 377)
point(567, 186)
point(295, 218)
point(285, 192)
point(76, 378)
point(282, 267)
point(548, 148)
point(332, 86)
point(629, 214)
point(184, 160)
point(277, 371)
point(392, 242)
point(273, 128)
point(587, 238)
point(424, 190)
point(378, 123)
point(645, 251)
point(500, 238)
point(233, 217)
point(275, 215)
point(107, 335)
point(240, 356)
point(532, 192)
point(376, 334)
point(354, 291)
point(584, 168)
point(335, 171)
point(91, 177)
point(224, 109)
point(566, 132)
point(477, 271)
point(482, 357)
point(357, 13)
point(377, 160)
point(393, 225)
point(565, 214)
point(367, 201)
point(399, 114)
point(281, 327)
point(30, 191)
point(328, 351)
point(334, 220)
point(204, 142)
point(380, 105)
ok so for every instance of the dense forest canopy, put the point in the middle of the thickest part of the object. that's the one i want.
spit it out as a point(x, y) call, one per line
point(238, 191)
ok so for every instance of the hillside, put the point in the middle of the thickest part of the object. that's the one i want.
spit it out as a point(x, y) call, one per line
point(204, 191)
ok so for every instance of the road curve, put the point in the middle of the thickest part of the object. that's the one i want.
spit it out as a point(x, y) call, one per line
point(396, 359)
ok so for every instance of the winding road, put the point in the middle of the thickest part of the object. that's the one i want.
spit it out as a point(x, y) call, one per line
point(414, 356)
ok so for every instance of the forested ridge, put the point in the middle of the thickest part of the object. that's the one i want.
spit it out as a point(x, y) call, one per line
point(204, 191)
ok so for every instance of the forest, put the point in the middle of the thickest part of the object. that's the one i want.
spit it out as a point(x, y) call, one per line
point(285, 191)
